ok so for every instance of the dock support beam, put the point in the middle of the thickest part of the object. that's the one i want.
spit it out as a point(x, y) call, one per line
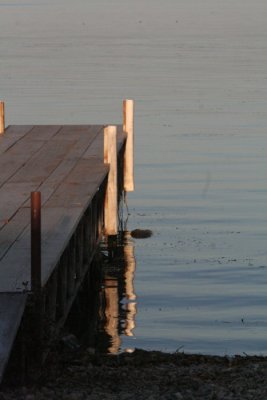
point(2, 117)
point(111, 199)
point(128, 127)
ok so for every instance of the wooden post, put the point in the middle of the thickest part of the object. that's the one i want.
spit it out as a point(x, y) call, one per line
point(36, 243)
point(128, 127)
point(36, 345)
point(2, 117)
point(111, 199)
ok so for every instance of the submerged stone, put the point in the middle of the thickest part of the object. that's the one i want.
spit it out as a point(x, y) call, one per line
point(141, 233)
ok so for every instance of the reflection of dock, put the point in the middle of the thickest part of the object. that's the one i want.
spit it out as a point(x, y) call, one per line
point(65, 165)
point(119, 295)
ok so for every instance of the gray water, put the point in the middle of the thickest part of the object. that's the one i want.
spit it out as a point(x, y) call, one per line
point(198, 73)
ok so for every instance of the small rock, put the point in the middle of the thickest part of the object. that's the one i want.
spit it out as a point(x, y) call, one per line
point(178, 396)
point(30, 397)
point(125, 396)
point(151, 398)
point(141, 233)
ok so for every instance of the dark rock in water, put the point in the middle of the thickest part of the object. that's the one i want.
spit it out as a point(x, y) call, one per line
point(141, 233)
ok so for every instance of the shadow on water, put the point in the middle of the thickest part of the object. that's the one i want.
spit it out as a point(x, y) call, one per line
point(105, 308)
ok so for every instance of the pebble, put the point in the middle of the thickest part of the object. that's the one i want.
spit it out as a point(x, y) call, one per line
point(178, 396)
point(30, 397)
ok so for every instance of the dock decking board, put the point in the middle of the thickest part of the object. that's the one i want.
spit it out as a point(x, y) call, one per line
point(13, 229)
point(43, 132)
point(15, 133)
point(16, 156)
point(13, 196)
point(11, 311)
point(44, 162)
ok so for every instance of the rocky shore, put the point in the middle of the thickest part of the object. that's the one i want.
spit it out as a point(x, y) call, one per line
point(80, 375)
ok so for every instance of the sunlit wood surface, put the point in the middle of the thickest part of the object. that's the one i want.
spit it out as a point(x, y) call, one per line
point(66, 164)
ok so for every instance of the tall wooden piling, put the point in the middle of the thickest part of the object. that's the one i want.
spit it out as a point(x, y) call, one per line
point(128, 127)
point(2, 117)
point(111, 199)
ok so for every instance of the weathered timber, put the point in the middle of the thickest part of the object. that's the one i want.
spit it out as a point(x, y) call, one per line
point(128, 127)
point(2, 117)
point(111, 199)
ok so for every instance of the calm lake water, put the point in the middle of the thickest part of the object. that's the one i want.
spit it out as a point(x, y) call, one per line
point(198, 73)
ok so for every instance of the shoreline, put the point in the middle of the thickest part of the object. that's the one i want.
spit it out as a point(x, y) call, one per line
point(81, 374)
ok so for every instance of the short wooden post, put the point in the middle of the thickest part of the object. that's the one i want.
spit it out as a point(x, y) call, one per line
point(111, 199)
point(2, 117)
point(36, 243)
point(36, 347)
point(128, 127)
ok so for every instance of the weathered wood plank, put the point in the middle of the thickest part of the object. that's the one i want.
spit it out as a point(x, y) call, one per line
point(83, 135)
point(11, 310)
point(50, 184)
point(19, 130)
point(74, 132)
point(13, 196)
point(96, 149)
point(43, 132)
point(12, 135)
point(44, 162)
point(15, 267)
point(16, 156)
point(13, 229)
point(80, 185)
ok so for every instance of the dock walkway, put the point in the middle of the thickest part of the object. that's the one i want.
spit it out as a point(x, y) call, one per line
point(64, 163)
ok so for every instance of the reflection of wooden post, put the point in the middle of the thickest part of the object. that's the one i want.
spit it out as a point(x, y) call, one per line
point(112, 314)
point(111, 200)
point(130, 321)
point(2, 117)
point(130, 265)
point(128, 127)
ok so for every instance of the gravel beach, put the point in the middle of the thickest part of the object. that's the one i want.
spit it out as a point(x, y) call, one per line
point(146, 375)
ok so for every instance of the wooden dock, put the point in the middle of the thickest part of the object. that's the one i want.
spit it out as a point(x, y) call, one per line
point(66, 165)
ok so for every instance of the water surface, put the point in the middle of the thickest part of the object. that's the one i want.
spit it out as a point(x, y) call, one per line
point(197, 71)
